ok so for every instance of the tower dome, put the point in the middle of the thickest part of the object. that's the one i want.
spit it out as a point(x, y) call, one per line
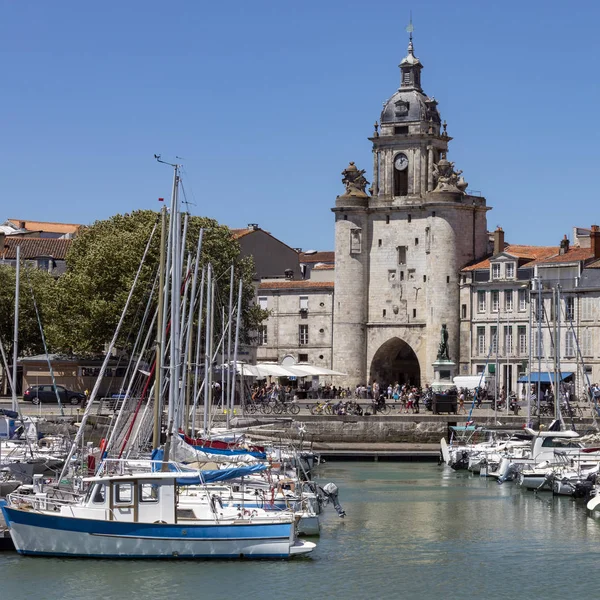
point(409, 103)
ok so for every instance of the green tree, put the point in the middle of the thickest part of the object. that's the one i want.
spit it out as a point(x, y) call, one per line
point(44, 289)
point(101, 267)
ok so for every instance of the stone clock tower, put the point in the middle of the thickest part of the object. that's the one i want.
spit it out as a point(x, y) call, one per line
point(399, 246)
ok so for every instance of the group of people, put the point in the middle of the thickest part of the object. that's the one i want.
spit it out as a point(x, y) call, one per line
point(406, 395)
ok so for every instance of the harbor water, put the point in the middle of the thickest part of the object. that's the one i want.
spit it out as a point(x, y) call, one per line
point(412, 530)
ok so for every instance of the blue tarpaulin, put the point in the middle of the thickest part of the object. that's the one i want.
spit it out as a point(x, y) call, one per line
point(543, 377)
point(198, 477)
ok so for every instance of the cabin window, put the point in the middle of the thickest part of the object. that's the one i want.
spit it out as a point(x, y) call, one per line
point(148, 492)
point(551, 442)
point(99, 494)
point(123, 493)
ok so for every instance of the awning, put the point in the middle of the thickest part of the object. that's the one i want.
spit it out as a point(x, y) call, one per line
point(308, 370)
point(543, 377)
point(265, 369)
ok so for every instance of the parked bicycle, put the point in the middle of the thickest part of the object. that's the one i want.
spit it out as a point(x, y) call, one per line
point(320, 408)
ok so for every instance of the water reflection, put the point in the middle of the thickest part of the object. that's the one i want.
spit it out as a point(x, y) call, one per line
point(412, 531)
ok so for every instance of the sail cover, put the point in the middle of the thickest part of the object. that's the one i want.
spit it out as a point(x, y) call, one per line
point(200, 477)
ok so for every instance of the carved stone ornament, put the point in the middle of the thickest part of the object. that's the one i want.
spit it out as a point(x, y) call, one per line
point(354, 180)
point(401, 108)
point(448, 180)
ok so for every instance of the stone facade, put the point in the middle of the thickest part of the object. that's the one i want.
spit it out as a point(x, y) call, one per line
point(299, 326)
point(400, 247)
point(499, 312)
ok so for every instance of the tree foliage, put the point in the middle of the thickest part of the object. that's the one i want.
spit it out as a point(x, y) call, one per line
point(101, 267)
point(43, 286)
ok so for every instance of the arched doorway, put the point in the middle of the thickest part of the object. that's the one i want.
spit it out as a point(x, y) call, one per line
point(395, 361)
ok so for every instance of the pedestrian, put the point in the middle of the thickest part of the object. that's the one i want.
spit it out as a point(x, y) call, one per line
point(375, 390)
point(461, 403)
point(389, 391)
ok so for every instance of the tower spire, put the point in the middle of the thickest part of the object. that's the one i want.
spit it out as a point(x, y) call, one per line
point(410, 66)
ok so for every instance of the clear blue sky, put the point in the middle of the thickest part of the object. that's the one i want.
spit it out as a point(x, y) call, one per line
point(268, 101)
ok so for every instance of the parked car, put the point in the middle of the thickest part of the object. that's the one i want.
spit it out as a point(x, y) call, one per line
point(45, 394)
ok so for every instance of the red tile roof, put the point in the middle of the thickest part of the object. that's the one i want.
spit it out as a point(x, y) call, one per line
point(238, 233)
point(32, 248)
point(46, 226)
point(525, 254)
point(317, 257)
point(301, 284)
point(574, 254)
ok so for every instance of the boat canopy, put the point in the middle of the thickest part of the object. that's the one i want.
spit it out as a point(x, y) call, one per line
point(195, 477)
point(543, 377)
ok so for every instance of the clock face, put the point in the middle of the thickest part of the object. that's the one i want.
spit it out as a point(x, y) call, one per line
point(401, 162)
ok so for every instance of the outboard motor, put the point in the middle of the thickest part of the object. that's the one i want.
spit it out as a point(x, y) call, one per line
point(510, 474)
point(583, 489)
point(331, 493)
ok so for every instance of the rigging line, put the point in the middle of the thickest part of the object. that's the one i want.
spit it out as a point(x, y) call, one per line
point(129, 377)
point(96, 387)
point(185, 200)
point(553, 382)
point(185, 172)
point(39, 320)
point(596, 411)
point(141, 303)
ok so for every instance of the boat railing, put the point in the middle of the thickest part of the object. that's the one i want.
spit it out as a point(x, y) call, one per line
point(128, 466)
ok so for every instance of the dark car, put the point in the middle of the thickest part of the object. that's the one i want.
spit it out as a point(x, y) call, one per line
point(45, 394)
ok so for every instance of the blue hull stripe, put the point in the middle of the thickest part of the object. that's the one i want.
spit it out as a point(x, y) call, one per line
point(149, 530)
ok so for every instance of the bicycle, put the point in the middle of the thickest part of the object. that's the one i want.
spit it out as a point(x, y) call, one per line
point(320, 408)
point(381, 407)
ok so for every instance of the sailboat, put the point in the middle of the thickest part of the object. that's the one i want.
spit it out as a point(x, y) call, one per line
point(135, 510)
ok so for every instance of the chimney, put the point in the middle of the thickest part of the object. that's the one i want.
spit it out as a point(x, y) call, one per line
point(498, 240)
point(564, 245)
point(595, 241)
point(253, 226)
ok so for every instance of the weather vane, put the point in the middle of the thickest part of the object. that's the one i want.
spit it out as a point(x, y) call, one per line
point(409, 27)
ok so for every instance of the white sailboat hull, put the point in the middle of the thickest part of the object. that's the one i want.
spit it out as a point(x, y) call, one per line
point(38, 534)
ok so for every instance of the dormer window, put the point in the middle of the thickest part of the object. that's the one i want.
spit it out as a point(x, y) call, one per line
point(495, 270)
point(510, 270)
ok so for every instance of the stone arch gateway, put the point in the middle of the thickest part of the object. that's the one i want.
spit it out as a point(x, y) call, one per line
point(395, 361)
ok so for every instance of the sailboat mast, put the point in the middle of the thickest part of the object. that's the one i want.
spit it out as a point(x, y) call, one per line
point(235, 351)
point(16, 331)
point(208, 345)
point(158, 385)
point(175, 300)
point(228, 361)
